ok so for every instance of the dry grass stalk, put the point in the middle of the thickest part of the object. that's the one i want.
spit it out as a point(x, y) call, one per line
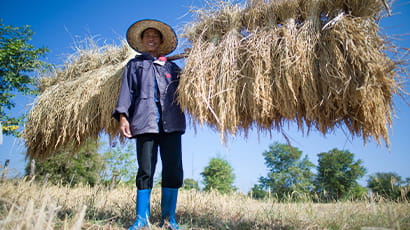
point(318, 63)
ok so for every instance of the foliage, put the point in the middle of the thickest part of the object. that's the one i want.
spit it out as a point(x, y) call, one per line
point(257, 192)
point(389, 185)
point(338, 173)
point(72, 166)
point(218, 175)
point(357, 192)
point(190, 184)
point(18, 59)
point(288, 172)
point(122, 162)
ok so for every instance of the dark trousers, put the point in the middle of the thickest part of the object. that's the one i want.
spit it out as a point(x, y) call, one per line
point(169, 145)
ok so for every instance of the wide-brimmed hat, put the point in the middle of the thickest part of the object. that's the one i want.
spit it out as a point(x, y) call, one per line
point(169, 37)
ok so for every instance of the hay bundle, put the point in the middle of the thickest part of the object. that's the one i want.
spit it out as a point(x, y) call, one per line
point(258, 102)
point(319, 63)
point(306, 70)
point(259, 14)
point(359, 79)
point(220, 62)
point(286, 83)
point(77, 103)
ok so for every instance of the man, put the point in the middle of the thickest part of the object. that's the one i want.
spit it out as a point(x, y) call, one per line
point(147, 110)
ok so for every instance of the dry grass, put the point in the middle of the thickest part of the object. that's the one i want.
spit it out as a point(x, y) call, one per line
point(321, 64)
point(26, 205)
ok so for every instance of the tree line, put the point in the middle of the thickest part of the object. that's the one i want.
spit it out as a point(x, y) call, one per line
point(290, 177)
point(337, 173)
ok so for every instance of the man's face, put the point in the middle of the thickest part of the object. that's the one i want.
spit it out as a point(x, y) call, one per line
point(151, 40)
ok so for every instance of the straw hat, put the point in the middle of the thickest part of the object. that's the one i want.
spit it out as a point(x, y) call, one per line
point(168, 35)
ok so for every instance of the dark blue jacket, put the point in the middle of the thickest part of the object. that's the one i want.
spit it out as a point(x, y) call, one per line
point(136, 99)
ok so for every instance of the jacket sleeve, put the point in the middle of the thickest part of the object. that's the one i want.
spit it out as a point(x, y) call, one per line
point(124, 101)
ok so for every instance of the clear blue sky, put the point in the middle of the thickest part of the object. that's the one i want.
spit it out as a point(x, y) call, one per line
point(58, 23)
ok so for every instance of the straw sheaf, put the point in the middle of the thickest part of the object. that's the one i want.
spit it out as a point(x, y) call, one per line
point(219, 69)
point(71, 111)
point(88, 57)
point(168, 35)
point(318, 63)
point(361, 78)
point(259, 14)
point(212, 25)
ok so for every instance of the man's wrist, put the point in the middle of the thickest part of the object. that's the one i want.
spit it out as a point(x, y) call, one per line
point(122, 116)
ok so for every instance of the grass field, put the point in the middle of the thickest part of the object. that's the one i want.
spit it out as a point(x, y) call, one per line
point(29, 205)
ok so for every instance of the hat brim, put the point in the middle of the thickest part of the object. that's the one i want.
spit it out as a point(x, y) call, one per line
point(169, 37)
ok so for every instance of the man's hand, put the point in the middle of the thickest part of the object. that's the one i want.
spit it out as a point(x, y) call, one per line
point(125, 126)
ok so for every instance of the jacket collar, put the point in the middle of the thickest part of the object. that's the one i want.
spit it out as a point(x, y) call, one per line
point(144, 56)
point(147, 56)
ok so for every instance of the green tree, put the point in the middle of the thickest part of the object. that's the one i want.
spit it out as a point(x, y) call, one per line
point(388, 185)
point(338, 173)
point(357, 192)
point(218, 175)
point(121, 161)
point(18, 59)
point(288, 171)
point(258, 192)
point(190, 184)
point(72, 166)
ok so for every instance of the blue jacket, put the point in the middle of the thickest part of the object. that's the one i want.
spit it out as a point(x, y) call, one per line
point(137, 100)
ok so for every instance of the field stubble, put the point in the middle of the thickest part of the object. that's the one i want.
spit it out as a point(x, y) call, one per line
point(29, 205)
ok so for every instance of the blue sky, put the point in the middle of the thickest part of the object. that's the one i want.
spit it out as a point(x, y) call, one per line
point(57, 24)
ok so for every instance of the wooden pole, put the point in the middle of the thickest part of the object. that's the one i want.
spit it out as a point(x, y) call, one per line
point(177, 56)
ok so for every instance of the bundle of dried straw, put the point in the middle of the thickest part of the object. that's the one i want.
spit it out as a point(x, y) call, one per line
point(319, 63)
point(77, 103)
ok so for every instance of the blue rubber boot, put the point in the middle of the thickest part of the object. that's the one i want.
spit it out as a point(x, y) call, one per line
point(168, 207)
point(142, 209)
